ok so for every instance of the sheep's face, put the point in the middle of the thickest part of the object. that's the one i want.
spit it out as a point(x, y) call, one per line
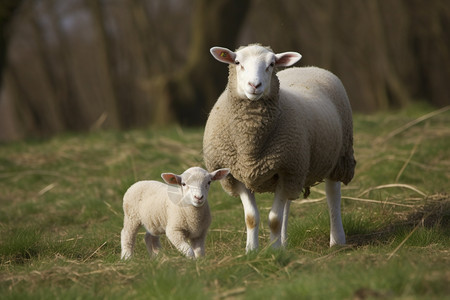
point(193, 185)
point(254, 67)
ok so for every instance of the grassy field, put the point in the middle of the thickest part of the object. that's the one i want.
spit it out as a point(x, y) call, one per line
point(61, 216)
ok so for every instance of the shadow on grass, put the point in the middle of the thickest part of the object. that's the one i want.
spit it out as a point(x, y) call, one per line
point(434, 215)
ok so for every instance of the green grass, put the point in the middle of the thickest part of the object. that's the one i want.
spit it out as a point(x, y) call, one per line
point(61, 216)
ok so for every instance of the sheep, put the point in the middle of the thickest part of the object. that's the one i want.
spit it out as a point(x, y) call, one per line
point(180, 210)
point(280, 132)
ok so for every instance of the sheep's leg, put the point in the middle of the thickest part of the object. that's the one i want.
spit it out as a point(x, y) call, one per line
point(251, 216)
point(284, 224)
point(152, 242)
point(128, 237)
point(278, 219)
point(333, 191)
point(179, 240)
point(198, 246)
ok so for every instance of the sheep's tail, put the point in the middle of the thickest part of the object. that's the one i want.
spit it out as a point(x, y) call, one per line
point(345, 167)
point(306, 192)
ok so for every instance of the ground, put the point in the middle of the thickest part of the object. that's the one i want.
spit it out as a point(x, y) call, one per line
point(61, 218)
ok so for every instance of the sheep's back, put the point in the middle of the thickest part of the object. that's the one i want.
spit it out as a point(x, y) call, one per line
point(147, 201)
point(320, 98)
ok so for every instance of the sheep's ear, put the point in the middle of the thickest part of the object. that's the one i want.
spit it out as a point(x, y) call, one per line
point(223, 55)
point(171, 178)
point(219, 174)
point(286, 59)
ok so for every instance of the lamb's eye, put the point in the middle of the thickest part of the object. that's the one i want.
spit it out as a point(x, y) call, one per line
point(183, 184)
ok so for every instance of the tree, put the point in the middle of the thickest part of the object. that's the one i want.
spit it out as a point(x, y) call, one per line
point(7, 9)
point(187, 95)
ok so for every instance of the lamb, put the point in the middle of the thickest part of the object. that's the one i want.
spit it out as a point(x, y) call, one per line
point(280, 132)
point(180, 210)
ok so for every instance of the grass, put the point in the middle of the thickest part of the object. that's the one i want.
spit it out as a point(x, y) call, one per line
point(61, 217)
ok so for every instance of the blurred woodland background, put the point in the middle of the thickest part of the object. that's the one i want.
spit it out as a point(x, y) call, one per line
point(76, 65)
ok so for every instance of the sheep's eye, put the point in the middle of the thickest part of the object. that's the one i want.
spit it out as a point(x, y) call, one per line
point(269, 66)
point(183, 184)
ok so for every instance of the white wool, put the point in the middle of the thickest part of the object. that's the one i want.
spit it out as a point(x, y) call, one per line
point(279, 132)
point(184, 216)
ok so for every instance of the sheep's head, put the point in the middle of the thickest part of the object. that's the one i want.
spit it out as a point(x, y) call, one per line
point(254, 67)
point(192, 185)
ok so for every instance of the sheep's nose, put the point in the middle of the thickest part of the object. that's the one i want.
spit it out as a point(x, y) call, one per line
point(198, 198)
point(255, 86)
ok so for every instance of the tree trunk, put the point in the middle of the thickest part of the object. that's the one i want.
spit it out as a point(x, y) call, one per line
point(192, 91)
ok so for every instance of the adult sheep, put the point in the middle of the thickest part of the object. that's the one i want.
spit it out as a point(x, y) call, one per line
point(280, 132)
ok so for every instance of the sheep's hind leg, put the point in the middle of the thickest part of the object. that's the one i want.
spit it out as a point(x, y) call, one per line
point(251, 216)
point(284, 224)
point(333, 191)
point(128, 237)
point(278, 217)
point(152, 243)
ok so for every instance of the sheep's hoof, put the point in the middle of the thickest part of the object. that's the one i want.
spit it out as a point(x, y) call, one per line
point(337, 243)
point(125, 256)
point(190, 253)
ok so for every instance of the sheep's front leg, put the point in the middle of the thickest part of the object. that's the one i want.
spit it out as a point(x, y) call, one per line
point(180, 241)
point(333, 191)
point(199, 246)
point(278, 218)
point(152, 243)
point(251, 216)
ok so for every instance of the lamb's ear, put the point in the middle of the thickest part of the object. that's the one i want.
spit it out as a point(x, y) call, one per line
point(219, 174)
point(286, 59)
point(223, 55)
point(171, 178)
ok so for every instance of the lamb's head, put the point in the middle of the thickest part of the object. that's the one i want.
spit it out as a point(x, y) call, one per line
point(254, 67)
point(194, 184)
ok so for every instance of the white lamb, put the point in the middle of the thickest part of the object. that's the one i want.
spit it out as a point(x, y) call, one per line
point(280, 132)
point(181, 211)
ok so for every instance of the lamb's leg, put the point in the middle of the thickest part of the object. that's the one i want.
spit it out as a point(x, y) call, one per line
point(128, 237)
point(199, 246)
point(251, 216)
point(278, 219)
point(333, 191)
point(179, 240)
point(152, 242)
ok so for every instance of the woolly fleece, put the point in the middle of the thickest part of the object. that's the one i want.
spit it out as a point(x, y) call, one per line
point(296, 136)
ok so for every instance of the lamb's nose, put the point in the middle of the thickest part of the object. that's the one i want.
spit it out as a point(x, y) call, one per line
point(198, 198)
point(255, 86)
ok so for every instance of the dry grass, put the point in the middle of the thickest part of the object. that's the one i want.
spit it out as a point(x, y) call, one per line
point(61, 218)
